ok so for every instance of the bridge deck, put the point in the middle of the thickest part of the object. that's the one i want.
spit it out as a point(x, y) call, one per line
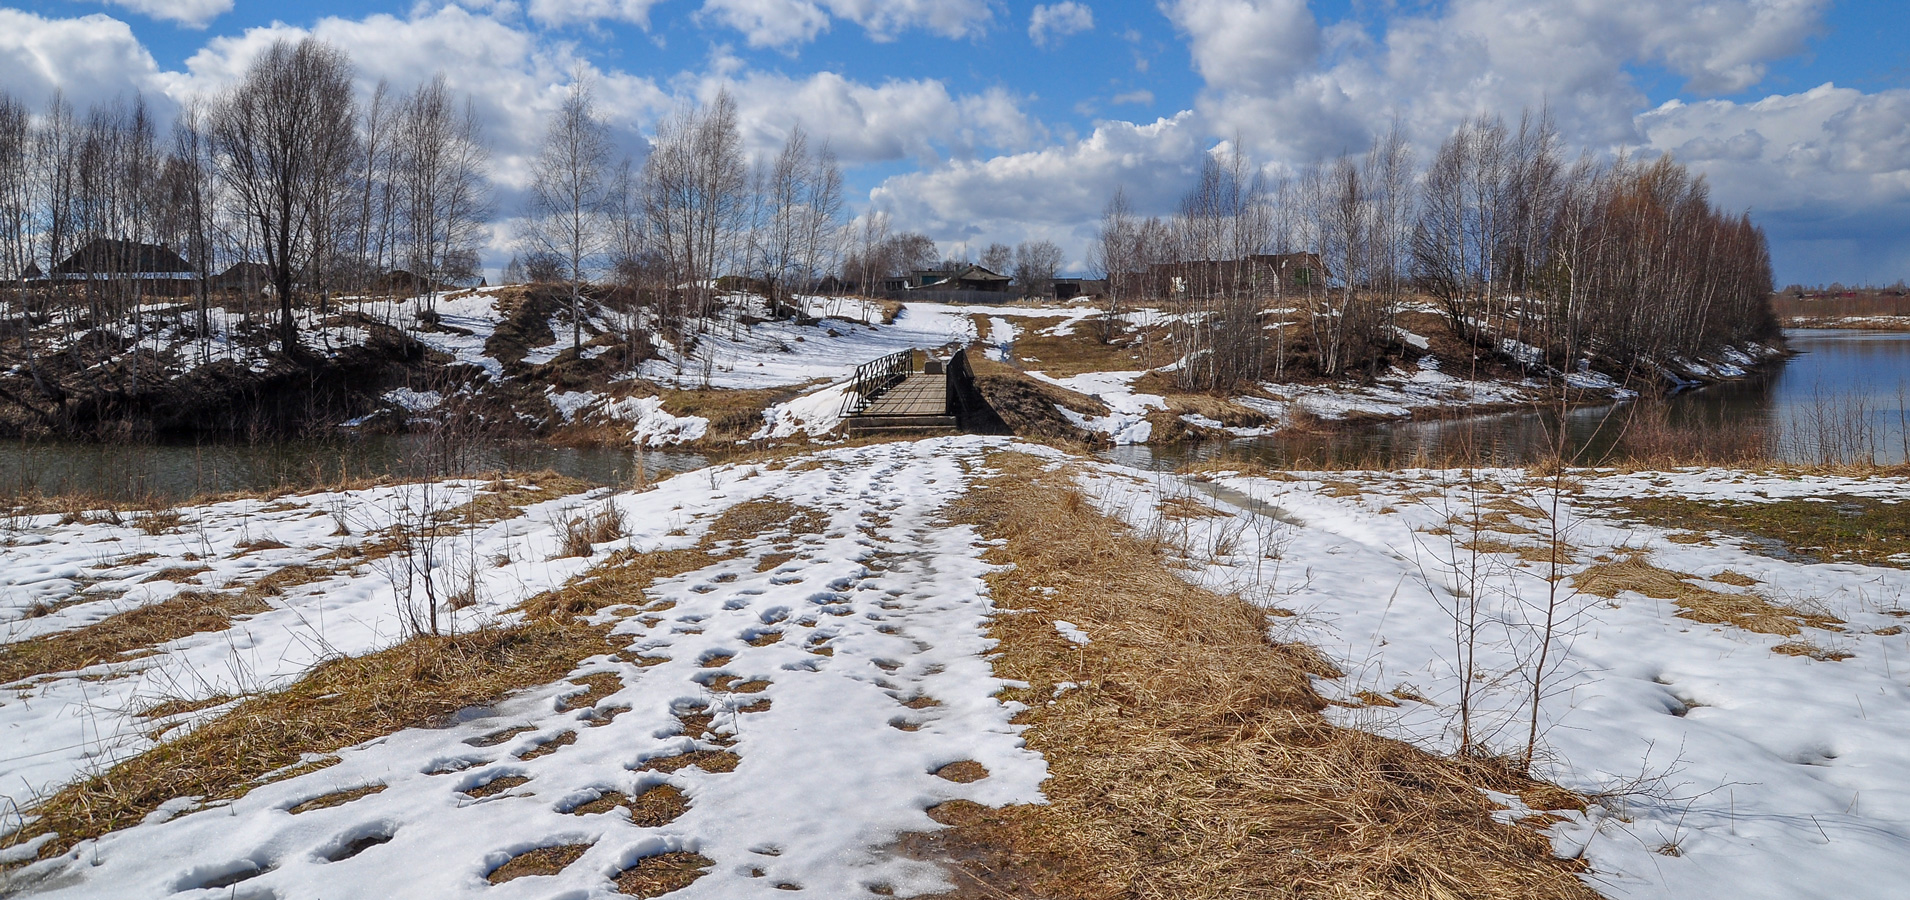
point(917, 395)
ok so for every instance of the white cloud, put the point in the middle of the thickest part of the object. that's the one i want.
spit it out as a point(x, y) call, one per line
point(1300, 90)
point(572, 12)
point(1827, 171)
point(190, 13)
point(864, 123)
point(770, 23)
point(1139, 98)
point(90, 58)
point(885, 19)
point(789, 23)
point(1055, 192)
point(512, 77)
point(1058, 21)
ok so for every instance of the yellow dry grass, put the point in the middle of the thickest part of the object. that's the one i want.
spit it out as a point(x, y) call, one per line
point(112, 638)
point(340, 703)
point(1696, 602)
point(1193, 761)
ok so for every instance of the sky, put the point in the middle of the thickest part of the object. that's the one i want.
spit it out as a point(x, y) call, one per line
point(985, 120)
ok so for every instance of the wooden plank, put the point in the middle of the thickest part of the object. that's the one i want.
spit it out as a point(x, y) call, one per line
point(918, 395)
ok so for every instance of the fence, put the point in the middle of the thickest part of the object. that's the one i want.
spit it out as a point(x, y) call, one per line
point(874, 377)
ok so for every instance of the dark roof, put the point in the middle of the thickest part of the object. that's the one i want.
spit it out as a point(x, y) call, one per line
point(977, 273)
point(244, 274)
point(109, 256)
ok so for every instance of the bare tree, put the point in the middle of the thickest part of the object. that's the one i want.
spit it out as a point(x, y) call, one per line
point(284, 140)
point(440, 166)
point(1113, 256)
point(568, 182)
point(997, 258)
point(696, 198)
point(1036, 263)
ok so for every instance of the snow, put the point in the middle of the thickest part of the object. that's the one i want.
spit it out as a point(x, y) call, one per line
point(651, 426)
point(1126, 421)
point(825, 782)
point(1771, 775)
point(1072, 632)
point(815, 414)
point(60, 726)
point(414, 401)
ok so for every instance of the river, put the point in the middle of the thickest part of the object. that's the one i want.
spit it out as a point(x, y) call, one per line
point(1845, 395)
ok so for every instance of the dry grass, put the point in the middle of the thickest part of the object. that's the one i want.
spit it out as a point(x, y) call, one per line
point(1027, 405)
point(1193, 762)
point(1811, 650)
point(110, 639)
point(336, 798)
point(337, 704)
point(541, 861)
point(1847, 528)
point(654, 876)
point(1696, 602)
point(168, 708)
point(713, 761)
point(599, 526)
point(1076, 352)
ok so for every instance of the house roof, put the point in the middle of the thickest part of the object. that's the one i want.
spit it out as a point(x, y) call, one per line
point(109, 256)
point(977, 273)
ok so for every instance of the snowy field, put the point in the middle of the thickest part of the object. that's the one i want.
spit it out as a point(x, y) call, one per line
point(834, 671)
point(1726, 762)
point(822, 675)
point(57, 577)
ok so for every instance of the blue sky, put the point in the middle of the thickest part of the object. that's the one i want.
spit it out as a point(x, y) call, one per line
point(963, 119)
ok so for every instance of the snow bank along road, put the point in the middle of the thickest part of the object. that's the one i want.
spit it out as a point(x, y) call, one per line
point(774, 718)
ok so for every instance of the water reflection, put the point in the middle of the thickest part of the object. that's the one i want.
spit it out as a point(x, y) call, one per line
point(177, 471)
point(1845, 396)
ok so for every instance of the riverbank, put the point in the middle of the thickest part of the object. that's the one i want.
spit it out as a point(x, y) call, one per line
point(506, 364)
point(747, 633)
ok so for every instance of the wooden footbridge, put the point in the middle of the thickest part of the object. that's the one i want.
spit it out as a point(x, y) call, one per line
point(891, 396)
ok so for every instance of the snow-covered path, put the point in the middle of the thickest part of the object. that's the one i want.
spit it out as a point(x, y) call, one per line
point(800, 696)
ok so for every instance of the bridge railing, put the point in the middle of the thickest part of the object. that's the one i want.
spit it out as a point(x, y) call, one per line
point(874, 377)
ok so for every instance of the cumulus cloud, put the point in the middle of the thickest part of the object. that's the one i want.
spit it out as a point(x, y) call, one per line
point(89, 59)
point(1057, 21)
point(1827, 171)
point(1269, 66)
point(512, 77)
point(770, 23)
point(883, 20)
point(190, 13)
point(788, 23)
point(1055, 192)
point(570, 12)
point(864, 123)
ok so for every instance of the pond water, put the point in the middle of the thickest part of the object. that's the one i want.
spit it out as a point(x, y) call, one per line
point(1845, 396)
point(175, 471)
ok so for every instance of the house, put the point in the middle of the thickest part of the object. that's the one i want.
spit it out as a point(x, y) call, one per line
point(244, 277)
point(1070, 288)
point(154, 266)
point(972, 278)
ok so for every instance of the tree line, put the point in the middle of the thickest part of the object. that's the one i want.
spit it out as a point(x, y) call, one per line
point(1548, 261)
point(317, 190)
